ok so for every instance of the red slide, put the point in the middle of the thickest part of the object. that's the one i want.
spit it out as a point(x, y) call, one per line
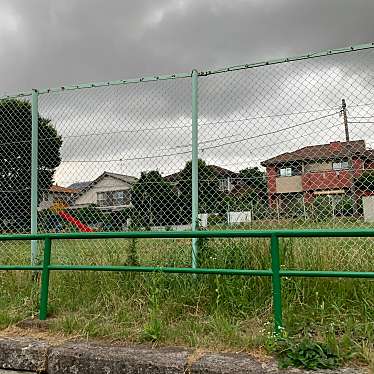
point(81, 226)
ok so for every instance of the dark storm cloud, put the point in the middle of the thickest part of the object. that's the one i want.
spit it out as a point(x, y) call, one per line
point(47, 44)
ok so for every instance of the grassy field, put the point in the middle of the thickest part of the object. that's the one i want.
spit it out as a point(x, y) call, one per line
point(216, 312)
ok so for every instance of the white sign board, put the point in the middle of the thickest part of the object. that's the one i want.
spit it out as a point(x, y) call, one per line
point(368, 205)
point(203, 218)
point(239, 217)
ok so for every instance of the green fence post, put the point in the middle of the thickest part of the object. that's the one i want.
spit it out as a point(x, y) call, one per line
point(195, 167)
point(43, 308)
point(34, 174)
point(276, 279)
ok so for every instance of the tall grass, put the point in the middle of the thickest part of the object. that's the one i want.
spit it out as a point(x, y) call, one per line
point(221, 312)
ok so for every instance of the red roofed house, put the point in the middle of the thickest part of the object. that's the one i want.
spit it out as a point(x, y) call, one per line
point(316, 170)
point(57, 194)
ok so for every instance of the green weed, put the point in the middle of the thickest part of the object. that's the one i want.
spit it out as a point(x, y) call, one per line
point(219, 312)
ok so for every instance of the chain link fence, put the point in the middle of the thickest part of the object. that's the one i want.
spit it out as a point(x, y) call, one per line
point(294, 140)
point(281, 144)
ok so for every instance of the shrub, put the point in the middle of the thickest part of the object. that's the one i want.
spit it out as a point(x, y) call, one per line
point(307, 354)
point(216, 219)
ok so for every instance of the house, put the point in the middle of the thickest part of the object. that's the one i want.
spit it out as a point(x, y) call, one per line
point(325, 169)
point(57, 194)
point(110, 191)
point(227, 179)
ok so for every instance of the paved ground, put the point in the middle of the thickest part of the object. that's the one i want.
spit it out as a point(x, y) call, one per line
point(72, 357)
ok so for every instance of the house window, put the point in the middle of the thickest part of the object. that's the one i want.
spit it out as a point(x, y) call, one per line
point(225, 184)
point(340, 165)
point(102, 198)
point(113, 198)
point(118, 197)
point(285, 172)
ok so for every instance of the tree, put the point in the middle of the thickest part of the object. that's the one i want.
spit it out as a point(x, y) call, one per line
point(90, 216)
point(365, 182)
point(255, 180)
point(154, 201)
point(15, 161)
point(117, 219)
point(250, 194)
point(211, 199)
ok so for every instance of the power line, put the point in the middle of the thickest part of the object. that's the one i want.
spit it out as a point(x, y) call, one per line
point(170, 127)
point(273, 115)
point(282, 142)
point(127, 159)
point(360, 105)
point(205, 148)
point(271, 132)
point(267, 146)
point(200, 124)
point(240, 134)
point(354, 117)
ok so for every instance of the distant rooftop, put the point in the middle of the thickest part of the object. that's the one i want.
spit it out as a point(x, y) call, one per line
point(333, 150)
point(220, 171)
point(85, 186)
point(79, 185)
point(60, 189)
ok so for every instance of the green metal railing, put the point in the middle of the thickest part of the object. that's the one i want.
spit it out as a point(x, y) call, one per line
point(275, 272)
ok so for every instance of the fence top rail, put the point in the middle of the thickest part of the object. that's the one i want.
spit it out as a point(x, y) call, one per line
point(288, 233)
point(305, 56)
point(71, 87)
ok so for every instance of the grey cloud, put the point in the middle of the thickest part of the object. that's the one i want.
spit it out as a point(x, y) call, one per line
point(62, 42)
point(46, 44)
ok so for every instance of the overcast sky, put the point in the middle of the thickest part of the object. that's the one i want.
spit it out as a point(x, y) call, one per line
point(45, 43)
point(51, 43)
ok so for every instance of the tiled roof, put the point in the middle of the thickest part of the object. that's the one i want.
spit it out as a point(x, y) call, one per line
point(60, 189)
point(126, 178)
point(82, 185)
point(223, 172)
point(220, 171)
point(79, 185)
point(333, 150)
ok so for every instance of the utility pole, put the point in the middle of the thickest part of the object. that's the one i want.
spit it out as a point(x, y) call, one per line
point(349, 154)
point(345, 119)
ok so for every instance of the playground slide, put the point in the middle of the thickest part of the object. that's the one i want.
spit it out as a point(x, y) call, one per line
point(81, 226)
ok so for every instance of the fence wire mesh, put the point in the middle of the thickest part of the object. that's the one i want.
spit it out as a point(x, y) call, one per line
point(291, 147)
point(15, 159)
point(286, 145)
point(118, 148)
point(292, 151)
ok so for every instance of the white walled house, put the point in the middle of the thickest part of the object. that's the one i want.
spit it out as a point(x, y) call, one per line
point(110, 191)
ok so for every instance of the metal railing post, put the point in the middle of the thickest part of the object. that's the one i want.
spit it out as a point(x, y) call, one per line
point(43, 307)
point(195, 167)
point(34, 174)
point(276, 280)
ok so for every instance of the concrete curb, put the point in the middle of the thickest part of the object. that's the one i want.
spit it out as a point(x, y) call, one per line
point(81, 357)
point(23, 354)
point(88, 358)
